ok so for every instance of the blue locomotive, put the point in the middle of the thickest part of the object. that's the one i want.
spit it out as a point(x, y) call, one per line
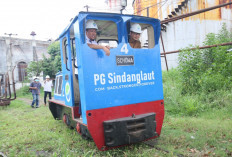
point(115, 99)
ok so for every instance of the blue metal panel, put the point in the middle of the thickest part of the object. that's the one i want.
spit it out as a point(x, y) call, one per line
point(59, 97)
point(99, 87)
point(67, 86)
point(102, 89)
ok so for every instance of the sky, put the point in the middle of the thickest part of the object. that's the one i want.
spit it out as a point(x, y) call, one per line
point(47, 18)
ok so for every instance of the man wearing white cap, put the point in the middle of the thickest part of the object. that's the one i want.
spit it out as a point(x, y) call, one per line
point(35, 90)
point(91, 35)
point(47, 89)
point(135, 32)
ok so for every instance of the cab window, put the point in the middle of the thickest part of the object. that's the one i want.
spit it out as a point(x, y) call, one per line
point(106, 34)
point(58, 85)
point(141, 35)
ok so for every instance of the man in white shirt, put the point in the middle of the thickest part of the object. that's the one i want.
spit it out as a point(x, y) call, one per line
point(91, 35)
point(47, 89)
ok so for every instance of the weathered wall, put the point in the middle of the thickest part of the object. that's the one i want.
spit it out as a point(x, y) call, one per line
point(191, 30)
point(15, 50)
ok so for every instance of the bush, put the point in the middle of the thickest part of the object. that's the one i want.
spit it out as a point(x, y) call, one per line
point(194, 104)
point(202, 81)
point(207, 70)
point(23, 91)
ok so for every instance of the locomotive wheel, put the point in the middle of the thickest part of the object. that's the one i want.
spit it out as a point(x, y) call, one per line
point(66, 120)
point(78, 128)
point(82, 132)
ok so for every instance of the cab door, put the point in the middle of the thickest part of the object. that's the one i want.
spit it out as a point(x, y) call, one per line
point(67, 69)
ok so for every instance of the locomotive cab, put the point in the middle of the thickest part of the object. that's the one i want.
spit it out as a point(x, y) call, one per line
point(117, 99)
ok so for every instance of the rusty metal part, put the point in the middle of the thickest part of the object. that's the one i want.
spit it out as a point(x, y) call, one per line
point(166, 21)
point(4, 103)
point(1, 82)
point(193, 13)
point(4, 87)
point(164, 54)
point(13, 84)
point(203, 47)
point(6, 97)
point(8, 85)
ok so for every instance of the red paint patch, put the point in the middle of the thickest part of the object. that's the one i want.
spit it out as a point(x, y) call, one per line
point(78, 128)
point(95, 118)
point(75, 111)
point(64, 119)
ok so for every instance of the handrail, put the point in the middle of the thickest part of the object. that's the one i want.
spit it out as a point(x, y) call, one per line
point(74, 59)
point(66, 56)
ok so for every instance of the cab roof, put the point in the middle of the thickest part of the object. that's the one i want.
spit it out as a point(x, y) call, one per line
point(101, 14)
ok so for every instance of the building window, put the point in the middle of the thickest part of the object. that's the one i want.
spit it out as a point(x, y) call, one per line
point(22, 66)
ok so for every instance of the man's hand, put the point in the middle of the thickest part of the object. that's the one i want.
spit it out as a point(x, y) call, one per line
point(104, 48)
point(107, 50)
point(33, 88)
point(107, 47)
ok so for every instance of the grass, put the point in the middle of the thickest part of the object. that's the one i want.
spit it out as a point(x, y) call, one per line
point(33, 132)
point(184, 104)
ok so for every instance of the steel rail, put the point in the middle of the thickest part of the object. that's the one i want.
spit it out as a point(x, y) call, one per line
point(203, 47)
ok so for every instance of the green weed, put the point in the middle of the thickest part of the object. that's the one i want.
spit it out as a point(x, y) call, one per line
point(207, 70)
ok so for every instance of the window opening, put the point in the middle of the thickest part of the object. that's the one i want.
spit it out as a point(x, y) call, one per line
point(65, 52)
point(22, 73)
point(57, 84)
point(141, 35)
point(106, 34)
point(73, 48)
point(60, 84)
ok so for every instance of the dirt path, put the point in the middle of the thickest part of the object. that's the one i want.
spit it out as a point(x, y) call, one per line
point(29, 101)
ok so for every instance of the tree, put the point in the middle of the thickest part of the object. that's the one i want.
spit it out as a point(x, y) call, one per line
point(34, 68)
point(54, 49)
point(50, 66)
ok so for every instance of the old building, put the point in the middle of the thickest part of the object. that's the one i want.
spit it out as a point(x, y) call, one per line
point(191, 30)
point(18, 53)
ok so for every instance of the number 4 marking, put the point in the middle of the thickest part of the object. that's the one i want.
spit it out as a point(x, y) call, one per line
point(124, 49)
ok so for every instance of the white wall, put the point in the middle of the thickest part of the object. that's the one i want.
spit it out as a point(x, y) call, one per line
point(182, 33)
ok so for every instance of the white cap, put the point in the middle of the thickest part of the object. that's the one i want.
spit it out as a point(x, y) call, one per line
point(47, 76)
point(35, 77)
point(136, 28)
point(91, 24)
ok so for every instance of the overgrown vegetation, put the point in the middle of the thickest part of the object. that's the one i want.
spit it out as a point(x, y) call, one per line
point(192, 104)
point(202, 82)
point(49, 66)
point(207, 70)
point(24, 92)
